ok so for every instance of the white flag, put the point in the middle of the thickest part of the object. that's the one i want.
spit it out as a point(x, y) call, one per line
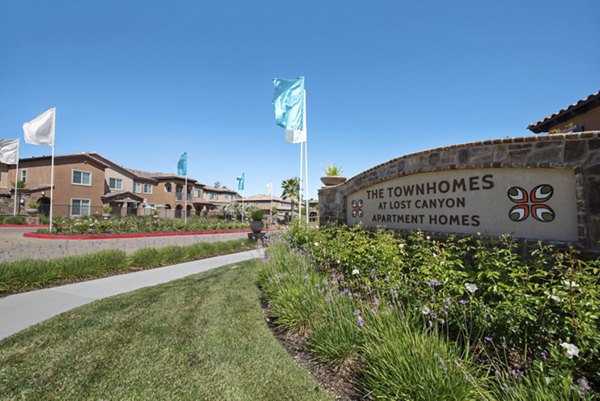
point(40, 130)
point(294, 136)
point(9, 151)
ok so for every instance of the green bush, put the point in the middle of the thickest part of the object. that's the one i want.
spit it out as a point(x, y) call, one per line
point(146, 257)
point(336, 335)
point(519, 306)
point(32, 273)
point(94, 224)
point(24, 275)
point(403, 362)
point(14, 220)
point(294, 290)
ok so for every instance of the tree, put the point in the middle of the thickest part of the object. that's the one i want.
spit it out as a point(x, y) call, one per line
point(291, 191)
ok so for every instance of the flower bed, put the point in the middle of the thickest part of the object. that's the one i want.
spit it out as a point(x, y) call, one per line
point(529, 320)
point(96, 225)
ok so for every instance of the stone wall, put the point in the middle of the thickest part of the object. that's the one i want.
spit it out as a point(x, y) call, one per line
point(578, 151)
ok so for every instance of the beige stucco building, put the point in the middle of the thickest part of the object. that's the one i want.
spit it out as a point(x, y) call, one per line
point(584, 115)
point(84, 182)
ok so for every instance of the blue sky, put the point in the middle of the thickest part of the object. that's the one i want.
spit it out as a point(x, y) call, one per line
point(140, 82)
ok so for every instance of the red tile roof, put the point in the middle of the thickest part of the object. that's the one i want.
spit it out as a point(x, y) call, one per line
point(565, 114)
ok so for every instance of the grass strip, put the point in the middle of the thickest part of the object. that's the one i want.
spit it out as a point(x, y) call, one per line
point(203, 337)
point(30, 274)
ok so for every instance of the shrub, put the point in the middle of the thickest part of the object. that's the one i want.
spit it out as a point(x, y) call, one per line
point(146, 257)
point(335, 337)
point(294, 290)
point(519, 306)
point(257, 214)
point(133, 224)
point(24, 275)
point(14, 220)
point(401, 361)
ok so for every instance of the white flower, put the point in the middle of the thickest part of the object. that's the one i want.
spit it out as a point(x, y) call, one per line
point(402, 246)
point(355, 272)
point(571, 350)
point(570, 285)
point(316, 244)
point(471, 287)
point(338, 262)
point(425, 310)
point(428, 238)
point(555, 298)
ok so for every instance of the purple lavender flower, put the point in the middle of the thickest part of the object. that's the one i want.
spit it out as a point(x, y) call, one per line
point(433, 283)
point(488, 338)
point(374, 311)
point(544, 355)
point(361, 322)
point(386, 279)
point(356, 312)
point(442, 364)
point(584, 386)
point(463, 302)
point(516, 373)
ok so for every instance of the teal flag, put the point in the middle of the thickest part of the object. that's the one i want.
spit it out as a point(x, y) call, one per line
point(240, 180)
point(182, 164)
point(288, 102)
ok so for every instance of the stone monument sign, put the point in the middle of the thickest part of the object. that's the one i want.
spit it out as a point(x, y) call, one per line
point(537, 188)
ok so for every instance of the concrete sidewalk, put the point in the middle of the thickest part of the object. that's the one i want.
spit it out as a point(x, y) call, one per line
point(20, 311)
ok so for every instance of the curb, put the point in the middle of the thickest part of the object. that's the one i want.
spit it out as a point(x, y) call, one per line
point(132, 235)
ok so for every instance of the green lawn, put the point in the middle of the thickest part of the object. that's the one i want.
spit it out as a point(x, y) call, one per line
point(199, 338)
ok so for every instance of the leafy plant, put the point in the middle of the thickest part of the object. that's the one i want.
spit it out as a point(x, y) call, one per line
point(332, 170)
point(257, 214)
point(517, 308)
point(14, 220)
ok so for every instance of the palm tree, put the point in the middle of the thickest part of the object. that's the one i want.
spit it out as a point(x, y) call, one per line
point(291, 191)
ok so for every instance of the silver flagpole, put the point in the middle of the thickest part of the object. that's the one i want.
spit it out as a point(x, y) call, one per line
point(51, 187)
point(306, 159)
point(300, 183)
point(17, 176)
point(186, 195)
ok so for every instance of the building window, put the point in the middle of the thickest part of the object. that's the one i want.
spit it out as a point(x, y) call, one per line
point(214, 196)
point(197, 192)
point(168, 187)
point(23, 176)
point(115, 183)
point(81, 178)
point(80, 207)
point(137, 187)
point(147, 188)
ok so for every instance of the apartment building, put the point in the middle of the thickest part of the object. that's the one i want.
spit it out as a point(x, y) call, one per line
point(274, 206)
point(84, 182)
point(220, 196)
point(171, 194)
